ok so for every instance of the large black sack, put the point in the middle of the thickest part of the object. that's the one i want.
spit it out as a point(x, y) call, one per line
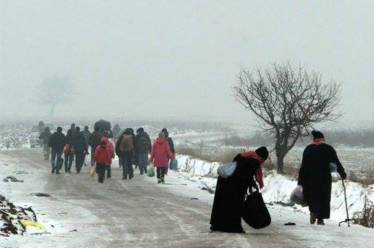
point(255, 212)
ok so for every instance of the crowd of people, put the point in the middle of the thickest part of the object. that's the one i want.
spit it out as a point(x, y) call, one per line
point(103, 144)
point(136, 149)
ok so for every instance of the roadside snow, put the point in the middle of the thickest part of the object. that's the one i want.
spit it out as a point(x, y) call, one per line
point(279, 187)
point(50, 212)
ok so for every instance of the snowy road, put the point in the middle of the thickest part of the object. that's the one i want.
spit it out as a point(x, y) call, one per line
point(141, 213)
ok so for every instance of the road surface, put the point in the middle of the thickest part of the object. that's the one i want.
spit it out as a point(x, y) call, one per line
point(141, 213)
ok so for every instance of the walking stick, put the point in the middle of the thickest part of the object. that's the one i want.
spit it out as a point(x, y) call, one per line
point(347, 220)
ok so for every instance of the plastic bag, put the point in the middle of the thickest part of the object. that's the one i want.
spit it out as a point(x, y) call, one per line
point(32, 224)
point(174, 165)
point(226, 170)
point(93, 170)
point(297, 196)
point(151, 171)
point(333, 167)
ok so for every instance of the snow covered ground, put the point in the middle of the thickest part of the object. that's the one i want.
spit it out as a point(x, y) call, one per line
point(279, 187)
point(141, 213)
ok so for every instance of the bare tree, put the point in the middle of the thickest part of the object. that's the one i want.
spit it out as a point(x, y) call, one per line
point(287, 101)
point(54, 91)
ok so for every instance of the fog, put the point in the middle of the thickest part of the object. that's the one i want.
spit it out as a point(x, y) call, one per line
point(177, 59)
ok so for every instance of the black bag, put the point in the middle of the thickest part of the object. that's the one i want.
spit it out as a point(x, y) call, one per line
point(59, 164)
point(255, 212)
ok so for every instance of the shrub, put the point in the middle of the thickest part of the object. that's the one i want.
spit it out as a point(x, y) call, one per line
point(366, 217)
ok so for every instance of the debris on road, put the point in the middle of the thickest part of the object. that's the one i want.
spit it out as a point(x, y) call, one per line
point(290, 224)
point(22, 173)
point(12, 217)
point(12, 179)
point(41, 194)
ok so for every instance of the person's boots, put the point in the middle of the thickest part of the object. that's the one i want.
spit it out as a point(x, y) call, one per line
point(313, 218)
point(320, 222)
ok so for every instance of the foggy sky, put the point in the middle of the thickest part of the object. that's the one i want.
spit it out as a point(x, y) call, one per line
point(178, 58)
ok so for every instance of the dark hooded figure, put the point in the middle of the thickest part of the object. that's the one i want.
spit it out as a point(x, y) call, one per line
point(171, 145)
point(143, 146)
point(230, 192)
point(45, 136)
point(94, 141)
point(125, 151)
point(57, 143)
point(315, 177)
point(169, 139)
point(80, 149)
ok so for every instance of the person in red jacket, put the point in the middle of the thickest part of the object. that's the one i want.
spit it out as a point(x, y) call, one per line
point(110, 148)
point(160, 156)
point(103, 159)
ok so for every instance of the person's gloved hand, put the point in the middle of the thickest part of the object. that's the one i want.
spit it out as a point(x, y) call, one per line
point(343, 175)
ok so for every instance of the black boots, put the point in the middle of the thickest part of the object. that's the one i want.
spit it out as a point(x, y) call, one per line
point(320, 222)
point(313, 218)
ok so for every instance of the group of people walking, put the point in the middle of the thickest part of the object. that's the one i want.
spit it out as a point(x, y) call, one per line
point(73, 146)
point(137, 149)
point(132, 150)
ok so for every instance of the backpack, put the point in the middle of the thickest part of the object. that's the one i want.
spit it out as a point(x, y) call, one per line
point(127, 144)
point(143, 143)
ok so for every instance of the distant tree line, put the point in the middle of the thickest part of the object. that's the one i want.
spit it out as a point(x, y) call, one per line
point(357, 138)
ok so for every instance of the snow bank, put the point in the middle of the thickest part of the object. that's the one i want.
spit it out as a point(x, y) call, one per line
point(279, 187)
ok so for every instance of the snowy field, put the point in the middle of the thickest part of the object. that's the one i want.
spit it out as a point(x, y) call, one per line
point(210, 142)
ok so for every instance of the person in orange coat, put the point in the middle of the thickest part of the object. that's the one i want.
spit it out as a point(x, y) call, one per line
point(160, 156)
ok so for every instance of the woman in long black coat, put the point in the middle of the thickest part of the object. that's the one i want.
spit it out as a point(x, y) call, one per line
point(230, 192)
point(315, 177)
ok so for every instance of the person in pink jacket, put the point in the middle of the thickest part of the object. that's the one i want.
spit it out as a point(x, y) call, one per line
point(160, 156)
point(110, 149)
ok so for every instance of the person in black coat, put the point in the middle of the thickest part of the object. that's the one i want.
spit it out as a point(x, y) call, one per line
point(80, 149)
point(315, 177)
point(230, 192)
point(143, 146)
point(94, 141)
point(170, 140)
point(57, 143)
point(45, 136)
point(171, 145)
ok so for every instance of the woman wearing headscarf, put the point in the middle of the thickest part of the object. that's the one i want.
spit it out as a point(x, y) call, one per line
point(315, 177)
point(230, 192)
